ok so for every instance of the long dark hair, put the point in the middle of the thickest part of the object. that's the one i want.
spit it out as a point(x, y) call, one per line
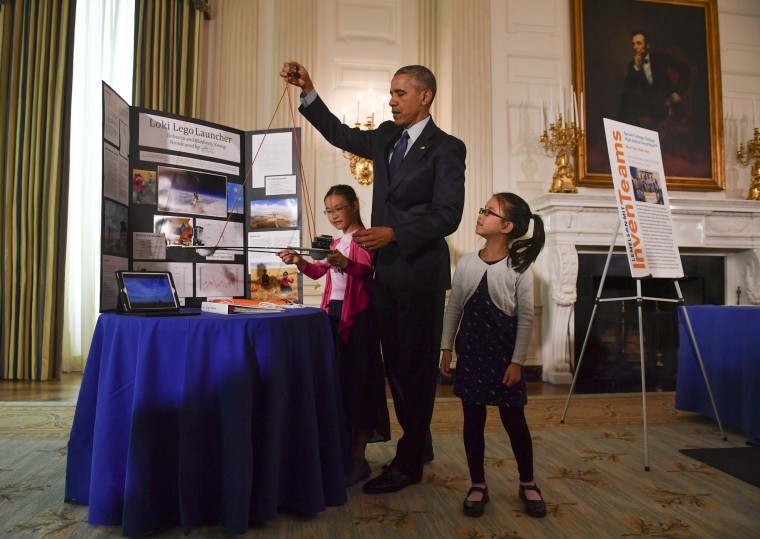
point(522, 252)
point(347, 192)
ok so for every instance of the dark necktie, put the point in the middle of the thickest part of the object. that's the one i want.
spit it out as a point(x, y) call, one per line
point(398, 155)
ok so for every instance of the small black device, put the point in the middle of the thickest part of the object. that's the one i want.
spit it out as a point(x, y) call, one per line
point(148, 293)
point(322, 242)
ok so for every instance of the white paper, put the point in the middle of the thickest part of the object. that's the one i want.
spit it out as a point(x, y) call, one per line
point(272, 156)
point(109, 291)
point(191, 162)
point(276, 239)
point(281, 185)
point(115, 110)
point(124, 139)
point(148, 245)
point(215, 280)
point(642, 199)
point(212, 235)
point(115, 175)
point(157, 131)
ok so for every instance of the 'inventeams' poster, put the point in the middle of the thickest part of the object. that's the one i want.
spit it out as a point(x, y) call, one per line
point(642, 199)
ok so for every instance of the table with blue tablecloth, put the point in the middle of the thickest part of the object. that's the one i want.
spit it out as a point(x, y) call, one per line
point(208, 419)
point(729, 343)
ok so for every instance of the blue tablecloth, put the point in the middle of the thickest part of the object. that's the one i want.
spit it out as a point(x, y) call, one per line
point(729, 343)
point(208, 419)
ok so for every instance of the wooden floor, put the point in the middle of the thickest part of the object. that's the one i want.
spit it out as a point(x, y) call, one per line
point(67, 390)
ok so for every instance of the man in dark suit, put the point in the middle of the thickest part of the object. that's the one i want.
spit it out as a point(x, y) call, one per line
point(417, 200)
point(654, 87)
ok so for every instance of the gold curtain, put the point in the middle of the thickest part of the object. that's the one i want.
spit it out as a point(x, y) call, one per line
point(168, 36)
point(36, 51)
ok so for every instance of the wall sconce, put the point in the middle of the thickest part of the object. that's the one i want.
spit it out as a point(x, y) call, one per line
point(361, 168)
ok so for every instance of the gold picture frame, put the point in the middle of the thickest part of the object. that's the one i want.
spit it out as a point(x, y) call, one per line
point(691, 132)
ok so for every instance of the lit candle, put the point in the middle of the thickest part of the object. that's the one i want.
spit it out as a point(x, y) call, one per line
point(754, 112)
point(541, 119)
point(344, 114)
point(561, 98)
point(373, 115)
point(382, 106)
point(551, 105)
point(576, 118)
point(358, 105)
point(738, 133)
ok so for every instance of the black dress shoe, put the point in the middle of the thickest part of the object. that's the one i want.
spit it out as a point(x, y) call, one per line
point(475, 508)
point(428, 456)
point(534, 508)
point(391, 480)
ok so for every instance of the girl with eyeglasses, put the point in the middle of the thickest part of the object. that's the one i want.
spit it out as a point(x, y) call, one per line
point(347, 298)
point(488, 321)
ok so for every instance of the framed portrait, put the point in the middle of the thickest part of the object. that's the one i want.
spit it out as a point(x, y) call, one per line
point(654, 64)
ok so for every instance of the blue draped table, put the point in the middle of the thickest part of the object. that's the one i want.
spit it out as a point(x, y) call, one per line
point(207, 419)
point(729, 343)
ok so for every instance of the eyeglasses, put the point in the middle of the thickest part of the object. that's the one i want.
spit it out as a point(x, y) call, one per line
point(336, 210)
point(487, 212)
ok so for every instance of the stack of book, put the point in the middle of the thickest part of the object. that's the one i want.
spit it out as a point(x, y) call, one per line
point(232, 306)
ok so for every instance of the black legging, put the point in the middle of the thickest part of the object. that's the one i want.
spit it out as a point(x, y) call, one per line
point(513, 419)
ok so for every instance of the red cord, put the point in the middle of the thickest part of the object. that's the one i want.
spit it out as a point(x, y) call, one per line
point(310, 218)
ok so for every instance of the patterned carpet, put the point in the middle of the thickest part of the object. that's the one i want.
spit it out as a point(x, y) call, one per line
point(590, 470)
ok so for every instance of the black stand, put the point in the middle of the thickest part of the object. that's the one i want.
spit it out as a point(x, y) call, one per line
point(639, 301)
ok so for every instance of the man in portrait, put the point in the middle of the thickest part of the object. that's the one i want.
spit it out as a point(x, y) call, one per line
point(654, 87)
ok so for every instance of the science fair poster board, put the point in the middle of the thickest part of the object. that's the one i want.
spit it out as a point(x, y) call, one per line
point(172, 184)
point(642, 199)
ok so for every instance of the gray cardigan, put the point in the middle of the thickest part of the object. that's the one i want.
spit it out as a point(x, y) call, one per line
point(510, 291)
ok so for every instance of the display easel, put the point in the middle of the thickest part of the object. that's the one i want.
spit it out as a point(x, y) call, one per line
point(640, 300)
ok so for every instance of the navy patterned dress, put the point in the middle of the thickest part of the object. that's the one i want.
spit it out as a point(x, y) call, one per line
point(484, 346)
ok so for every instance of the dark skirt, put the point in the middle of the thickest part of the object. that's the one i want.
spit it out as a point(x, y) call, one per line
point(484, 346)
point(361, 373)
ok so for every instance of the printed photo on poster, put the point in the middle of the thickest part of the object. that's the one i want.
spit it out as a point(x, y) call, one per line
point(235, 198)
point(144, 186)
point(115, 220)
point(176, 230)
point(269, 283)
point(646, 186)
point(274, 213)
point(189, 191)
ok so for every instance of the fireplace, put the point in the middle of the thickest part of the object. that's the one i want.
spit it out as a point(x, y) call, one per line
point(612, 361)
point(719, 242)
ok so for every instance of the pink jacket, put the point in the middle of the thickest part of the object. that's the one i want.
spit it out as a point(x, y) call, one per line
point(360, 271)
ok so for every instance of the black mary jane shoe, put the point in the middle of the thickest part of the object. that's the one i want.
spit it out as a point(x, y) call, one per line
point(475, 508)
point(534, 508)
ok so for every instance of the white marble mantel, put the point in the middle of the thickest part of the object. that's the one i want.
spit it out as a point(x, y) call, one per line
point(585, 223)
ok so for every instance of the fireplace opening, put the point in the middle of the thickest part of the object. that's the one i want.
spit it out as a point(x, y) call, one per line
point(611, 363)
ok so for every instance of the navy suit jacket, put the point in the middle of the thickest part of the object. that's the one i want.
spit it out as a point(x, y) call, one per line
point(423, 205)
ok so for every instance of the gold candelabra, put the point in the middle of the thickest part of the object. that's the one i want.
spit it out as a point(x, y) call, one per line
point(361, 168)
point(561, 139)
point(745, 156)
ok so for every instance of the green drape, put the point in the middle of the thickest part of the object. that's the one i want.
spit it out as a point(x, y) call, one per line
point(36, 40)
point(168, 35)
